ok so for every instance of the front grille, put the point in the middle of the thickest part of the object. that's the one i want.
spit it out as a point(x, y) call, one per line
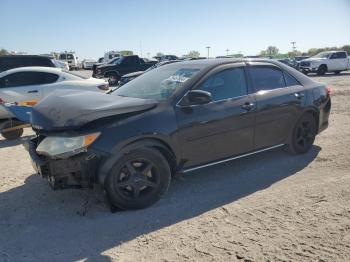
point(304, 63)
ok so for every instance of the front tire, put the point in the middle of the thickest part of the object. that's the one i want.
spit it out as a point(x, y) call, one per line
point(138, 179)
point(11, 135)
point(304, 134)
point(113, 79)
point(322, 70)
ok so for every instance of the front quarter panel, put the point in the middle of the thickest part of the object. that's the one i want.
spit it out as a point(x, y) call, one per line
point(158, 123)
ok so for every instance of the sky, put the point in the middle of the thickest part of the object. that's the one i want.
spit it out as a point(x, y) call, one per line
point(91, 28)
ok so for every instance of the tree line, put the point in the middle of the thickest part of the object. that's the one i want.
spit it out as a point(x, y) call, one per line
point(271, 51)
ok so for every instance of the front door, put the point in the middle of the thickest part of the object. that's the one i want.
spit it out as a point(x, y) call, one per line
point(222, 128)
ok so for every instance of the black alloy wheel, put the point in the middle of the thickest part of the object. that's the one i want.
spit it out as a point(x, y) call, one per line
point(138, 179)
point(322, 70)
point(304, 134)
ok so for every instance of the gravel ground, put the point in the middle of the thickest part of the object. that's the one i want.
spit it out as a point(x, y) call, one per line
point(267, 207)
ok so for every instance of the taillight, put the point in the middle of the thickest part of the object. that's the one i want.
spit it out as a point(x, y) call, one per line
point(104, 87)
point(329, 90)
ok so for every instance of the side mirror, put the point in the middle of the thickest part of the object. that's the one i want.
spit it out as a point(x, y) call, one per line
point(199, 97)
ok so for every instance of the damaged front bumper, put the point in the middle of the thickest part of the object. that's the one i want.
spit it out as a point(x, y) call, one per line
point(77, 171)
point(308, 69)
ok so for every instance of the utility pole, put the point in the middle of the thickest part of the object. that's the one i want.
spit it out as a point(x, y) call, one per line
point(208, 47)
point(294, 47)
point(140, 48)
point(227, 51)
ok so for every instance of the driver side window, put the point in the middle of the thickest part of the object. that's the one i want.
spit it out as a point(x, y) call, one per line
point(226, 84)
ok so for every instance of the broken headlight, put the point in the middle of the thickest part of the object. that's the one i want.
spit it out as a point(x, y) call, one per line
point(55, 146)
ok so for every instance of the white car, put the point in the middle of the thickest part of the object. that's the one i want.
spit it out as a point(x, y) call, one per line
point(61, 64)
point(87, 63)
point(329, 61)
point(71, 59)
point(31, 84)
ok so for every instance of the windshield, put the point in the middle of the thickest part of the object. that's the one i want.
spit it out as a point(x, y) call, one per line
point(159, 83)
point(66, 56)
point(323, 55)
point(114, 61)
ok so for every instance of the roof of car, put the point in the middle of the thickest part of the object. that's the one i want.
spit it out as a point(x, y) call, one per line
point(219, 61)
point(212, 63)
point(44, 56)
point(32, 69)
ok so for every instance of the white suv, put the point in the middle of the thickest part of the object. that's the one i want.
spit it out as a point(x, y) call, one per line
point(329, 61)
point(71, 59)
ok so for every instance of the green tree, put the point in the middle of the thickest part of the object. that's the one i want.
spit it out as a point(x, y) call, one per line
point(272, 50)
point(313, 51)
point(193, 54)
point(3, 51)
point(346, 48)
point(294, 53)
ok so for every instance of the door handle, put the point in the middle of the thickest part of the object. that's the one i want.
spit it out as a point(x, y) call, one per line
point(247, 106)
point(33, 91)
point(299, 95)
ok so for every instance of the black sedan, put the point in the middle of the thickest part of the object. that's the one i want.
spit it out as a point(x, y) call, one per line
point(176, 118)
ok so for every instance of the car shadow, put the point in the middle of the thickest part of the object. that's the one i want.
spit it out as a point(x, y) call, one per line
point(9, 143)
point(346, 74)
point(38, 223)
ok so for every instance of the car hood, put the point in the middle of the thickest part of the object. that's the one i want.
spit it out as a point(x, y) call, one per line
point(313, 59)
point(69, 109)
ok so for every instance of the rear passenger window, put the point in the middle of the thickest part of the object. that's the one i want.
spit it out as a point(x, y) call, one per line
point(341, 55)
point(27, 78)
point(290, 80)
point(226, 84)
point(266, 78)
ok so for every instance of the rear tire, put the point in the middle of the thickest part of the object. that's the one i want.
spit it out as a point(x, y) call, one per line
point(138, 179)
point(322, 70)
point(12, 135)
point(304, 134)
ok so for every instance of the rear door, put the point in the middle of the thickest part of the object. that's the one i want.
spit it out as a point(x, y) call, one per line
point(23, 86)
point(338, 61)
point(223, 127)
point(279, 99)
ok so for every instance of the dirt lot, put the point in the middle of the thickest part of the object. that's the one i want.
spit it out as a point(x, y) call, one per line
point(267, 207)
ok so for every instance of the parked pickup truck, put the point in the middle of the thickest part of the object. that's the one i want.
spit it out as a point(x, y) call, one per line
point(122, 66)
point(329, 61)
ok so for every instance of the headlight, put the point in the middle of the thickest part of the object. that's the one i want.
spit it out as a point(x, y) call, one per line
point(55, 146)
